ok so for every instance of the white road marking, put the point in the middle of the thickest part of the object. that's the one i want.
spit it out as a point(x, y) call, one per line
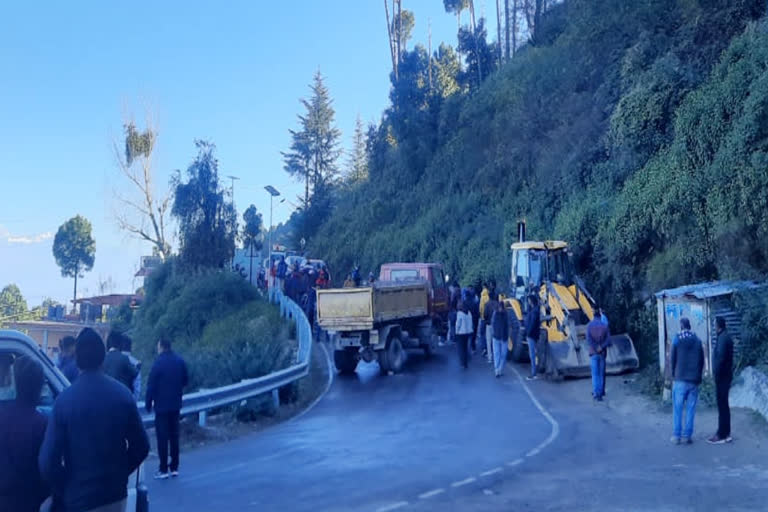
point(492, 471)
point(515, 462)
point(464, 482)
point(533, 452)
point(394, 506)
point(555, 425)
point(429, 494)
point(331, 372)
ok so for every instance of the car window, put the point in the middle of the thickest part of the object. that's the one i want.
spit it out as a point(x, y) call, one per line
point(437, 281)
point(8, 383)
point(404, 274)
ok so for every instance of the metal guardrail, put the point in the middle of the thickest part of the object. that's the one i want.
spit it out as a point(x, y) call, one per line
point(205, 400)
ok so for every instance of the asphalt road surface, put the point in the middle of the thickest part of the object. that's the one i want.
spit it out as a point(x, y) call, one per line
point(437, 437)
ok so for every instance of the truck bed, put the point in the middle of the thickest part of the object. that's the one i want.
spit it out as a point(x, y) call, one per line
point(357, 309)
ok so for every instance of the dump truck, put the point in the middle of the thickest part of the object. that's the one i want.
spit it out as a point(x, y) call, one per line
point(378, 322)
point(545, 269)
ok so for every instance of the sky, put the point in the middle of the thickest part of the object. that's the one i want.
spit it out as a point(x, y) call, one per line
point(228, 72)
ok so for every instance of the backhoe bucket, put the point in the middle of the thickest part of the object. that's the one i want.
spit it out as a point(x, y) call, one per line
point(562, 359)
point(621, 356)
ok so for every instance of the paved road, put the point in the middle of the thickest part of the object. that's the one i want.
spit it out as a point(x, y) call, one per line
point(437, 437)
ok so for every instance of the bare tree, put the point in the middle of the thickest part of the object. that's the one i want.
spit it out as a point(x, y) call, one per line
point(392, 46)
point(498, 30)
point(142, 212)
point(473, 26)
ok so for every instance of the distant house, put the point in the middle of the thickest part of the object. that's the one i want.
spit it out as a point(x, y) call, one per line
point(702, 304)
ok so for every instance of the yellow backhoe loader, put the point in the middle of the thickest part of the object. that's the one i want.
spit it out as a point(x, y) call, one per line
point(544, 268)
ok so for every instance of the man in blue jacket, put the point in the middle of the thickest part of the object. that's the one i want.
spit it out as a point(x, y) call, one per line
point(95, 438)
point(164, 391)
point(598, 339)
point(532, 331)
point(687, 363)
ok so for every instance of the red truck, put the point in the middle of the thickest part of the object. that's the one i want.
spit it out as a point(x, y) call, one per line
point(406, 308)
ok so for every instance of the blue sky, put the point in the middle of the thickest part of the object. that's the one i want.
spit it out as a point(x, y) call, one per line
point(230, 72)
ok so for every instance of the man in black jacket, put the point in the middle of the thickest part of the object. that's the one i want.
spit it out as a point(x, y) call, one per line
point(164, 391)
point(687, 363)
point(722, 368)
point(116, 364)
point(21, 433)
point(532, 331)
point(95, 438)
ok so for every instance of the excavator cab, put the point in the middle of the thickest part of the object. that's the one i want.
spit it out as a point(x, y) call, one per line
point(544, 269)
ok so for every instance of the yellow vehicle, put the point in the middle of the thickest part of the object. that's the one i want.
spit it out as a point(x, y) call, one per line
point(544, 268)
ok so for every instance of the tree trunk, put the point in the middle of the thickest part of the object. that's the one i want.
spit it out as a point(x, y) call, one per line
point(537, 16)
point(498, 29)
point(477, 46)
point(399, 29)
point(74, 294)
point(506, 28)
point(515, 7)
point(429, 55)
point(391, 41)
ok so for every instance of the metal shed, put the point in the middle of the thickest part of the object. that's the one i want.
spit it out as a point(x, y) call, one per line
point(702, 304)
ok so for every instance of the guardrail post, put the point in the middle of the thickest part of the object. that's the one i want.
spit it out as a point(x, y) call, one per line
point(275, 399)
point(202, 416)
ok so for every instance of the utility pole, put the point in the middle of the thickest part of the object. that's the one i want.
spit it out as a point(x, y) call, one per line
point(272, 194)
point(232, 187)
point(429, 55)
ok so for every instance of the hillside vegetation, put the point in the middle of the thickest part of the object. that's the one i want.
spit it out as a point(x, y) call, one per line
point(637, 131)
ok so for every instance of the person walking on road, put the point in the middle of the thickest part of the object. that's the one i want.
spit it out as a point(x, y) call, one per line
point(598, 339)
point(167, 380)
point(95, 438)
point(116, 364)
point(67, 363)
point(453, 309)
point(532, 331)
point(22, 429)
point(687, 362)
point(463, 332)
point(280, 273)
point(127, 345)
point(500, 327)
point(722, 368)
point(488, 312)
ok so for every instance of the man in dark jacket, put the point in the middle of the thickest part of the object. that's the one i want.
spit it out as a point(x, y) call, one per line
point(164, 391)
point(67, 363)
point(500, 327)
point(722, 368)
point(532, 331)
point(598, 339)
point(687, 363)
point(116, 364)
point(95, 438)
point(22, 429)
point(490, 308)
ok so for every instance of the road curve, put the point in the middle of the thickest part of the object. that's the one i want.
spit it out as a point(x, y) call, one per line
point(373, 443)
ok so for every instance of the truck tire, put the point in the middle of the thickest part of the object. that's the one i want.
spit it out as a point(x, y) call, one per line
point(346, 361)
point(392, 358)
point(519, 350)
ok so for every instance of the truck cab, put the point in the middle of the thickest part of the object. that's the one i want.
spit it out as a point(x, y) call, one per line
point(432, 273)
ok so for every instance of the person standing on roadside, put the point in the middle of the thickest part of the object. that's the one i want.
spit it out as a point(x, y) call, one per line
point(165, 387)
point(598, 339)
point(67, 364)
point(22, 429)
point(95, 438)
point(488, 312)
point(500, 327)
point(687, 362)
point(722, 368)
point(116, 364)
point(463, 332)
point(453, 309)
point(127, 345)
point(280, 272)
point(532, 331)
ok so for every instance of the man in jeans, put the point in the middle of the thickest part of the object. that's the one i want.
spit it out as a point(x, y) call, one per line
point(722, 368)
point(687, 363)
point(598, 339)
point(532, 330)
point(164, 391)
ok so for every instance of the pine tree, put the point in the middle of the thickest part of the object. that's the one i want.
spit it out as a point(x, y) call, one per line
point(357, 165)
point(315, 148)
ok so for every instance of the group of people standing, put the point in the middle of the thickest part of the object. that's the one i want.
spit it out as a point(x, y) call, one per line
point(82, 454)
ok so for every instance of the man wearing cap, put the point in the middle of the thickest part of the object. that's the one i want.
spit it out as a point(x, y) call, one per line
point(95, 438)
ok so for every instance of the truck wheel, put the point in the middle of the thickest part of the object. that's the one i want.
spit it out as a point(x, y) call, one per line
point(346, 361)
point(392, 357)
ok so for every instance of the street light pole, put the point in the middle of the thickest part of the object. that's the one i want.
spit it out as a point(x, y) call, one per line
point(272, 194)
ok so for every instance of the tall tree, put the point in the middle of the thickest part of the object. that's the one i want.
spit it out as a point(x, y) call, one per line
point(252, 228)
point(357, 165)
point(403, 25)
point(473, 27)
point(455, 7)
point(448, 71)
point(74, 249)
point(391, 38)
point(207, 218)
point(12, 303)
point(479, 54)
point(314, 148)
point(498, 29)
point(507, 30)
point(142, 212)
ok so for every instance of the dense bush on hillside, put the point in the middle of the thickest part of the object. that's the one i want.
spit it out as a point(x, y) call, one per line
point(215, 320)
point(634, 130)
